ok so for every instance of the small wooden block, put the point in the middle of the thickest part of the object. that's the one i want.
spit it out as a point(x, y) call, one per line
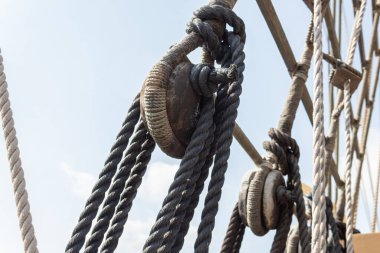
point(342, 73)
point(366, 243)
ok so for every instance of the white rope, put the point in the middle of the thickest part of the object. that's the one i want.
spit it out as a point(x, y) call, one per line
point(318, 242)
point(18, 180)
point(348, 162)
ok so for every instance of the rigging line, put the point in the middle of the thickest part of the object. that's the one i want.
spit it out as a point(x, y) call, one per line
point(363, 194)
point(318, 243)
point(376, 197)
point(369, 169)
point(17, 172)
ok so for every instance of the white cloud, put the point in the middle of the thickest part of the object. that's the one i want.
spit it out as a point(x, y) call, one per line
point(157, 181)
point(80, 182)
point(137, 231)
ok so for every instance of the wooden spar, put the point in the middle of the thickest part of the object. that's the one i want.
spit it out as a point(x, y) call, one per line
point(247, 145)
point(283, 45)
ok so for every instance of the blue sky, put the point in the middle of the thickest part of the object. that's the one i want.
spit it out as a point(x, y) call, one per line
point(73, 68)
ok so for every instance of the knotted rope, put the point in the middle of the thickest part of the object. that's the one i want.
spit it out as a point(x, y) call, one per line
point(286, 153)
point(17, 172)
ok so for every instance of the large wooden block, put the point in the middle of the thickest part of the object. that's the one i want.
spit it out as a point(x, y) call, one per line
point(367, 243)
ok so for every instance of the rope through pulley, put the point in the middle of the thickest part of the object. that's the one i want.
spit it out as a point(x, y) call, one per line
point(178, 112)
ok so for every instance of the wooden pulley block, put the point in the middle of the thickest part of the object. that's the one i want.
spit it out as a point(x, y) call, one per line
point(271, 209)
point(343, 73)
point(170, 106)
point(243, 194)
point(254, 201)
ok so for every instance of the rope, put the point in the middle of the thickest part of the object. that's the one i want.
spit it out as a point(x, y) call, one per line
point(113, 196)
point(97, 195)
point(171, 236)
point(17, 172)
point(179, 184)
point(348, 196)
point(235, 233)
point(127, 196)
point(225, 122)
point(376, 199)
point(195, 197)
point(280, 144)
point(318, 243)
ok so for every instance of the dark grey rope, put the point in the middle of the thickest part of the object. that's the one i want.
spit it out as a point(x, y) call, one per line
point(282, 231)
point(98, 192)
point(289, 147)
point(113, 195)
point(179, 185)
point(235, 233)
point(128, 195)
point(195, 198)
point(181, 210)
point(225, 122)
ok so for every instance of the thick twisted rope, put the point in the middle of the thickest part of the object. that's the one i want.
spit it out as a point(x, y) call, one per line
point(179, 184)
point(225, 124)
point(113, 196)
point(234, 234)
point(195, 197)
point(280, 144)
point(172, 235)
point(17, 172)
point(318, 242)
point(279, 241)
point(348, 162)
point(98, 192)
point(127, 196)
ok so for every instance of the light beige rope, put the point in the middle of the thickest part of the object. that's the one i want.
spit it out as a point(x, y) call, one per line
point(18, 180)
point(318, 241)
point(376, 198)
point(348, 162)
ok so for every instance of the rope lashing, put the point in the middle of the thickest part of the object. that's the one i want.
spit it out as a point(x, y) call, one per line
point(318, 243)
point(17, 172)
point(205, 79)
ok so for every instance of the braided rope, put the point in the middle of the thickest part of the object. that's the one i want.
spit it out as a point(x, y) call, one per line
point(17, 172)
point(127, 196)
point(113, 196)
point(318, 242)
point(348, 162)
point(98, 192)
